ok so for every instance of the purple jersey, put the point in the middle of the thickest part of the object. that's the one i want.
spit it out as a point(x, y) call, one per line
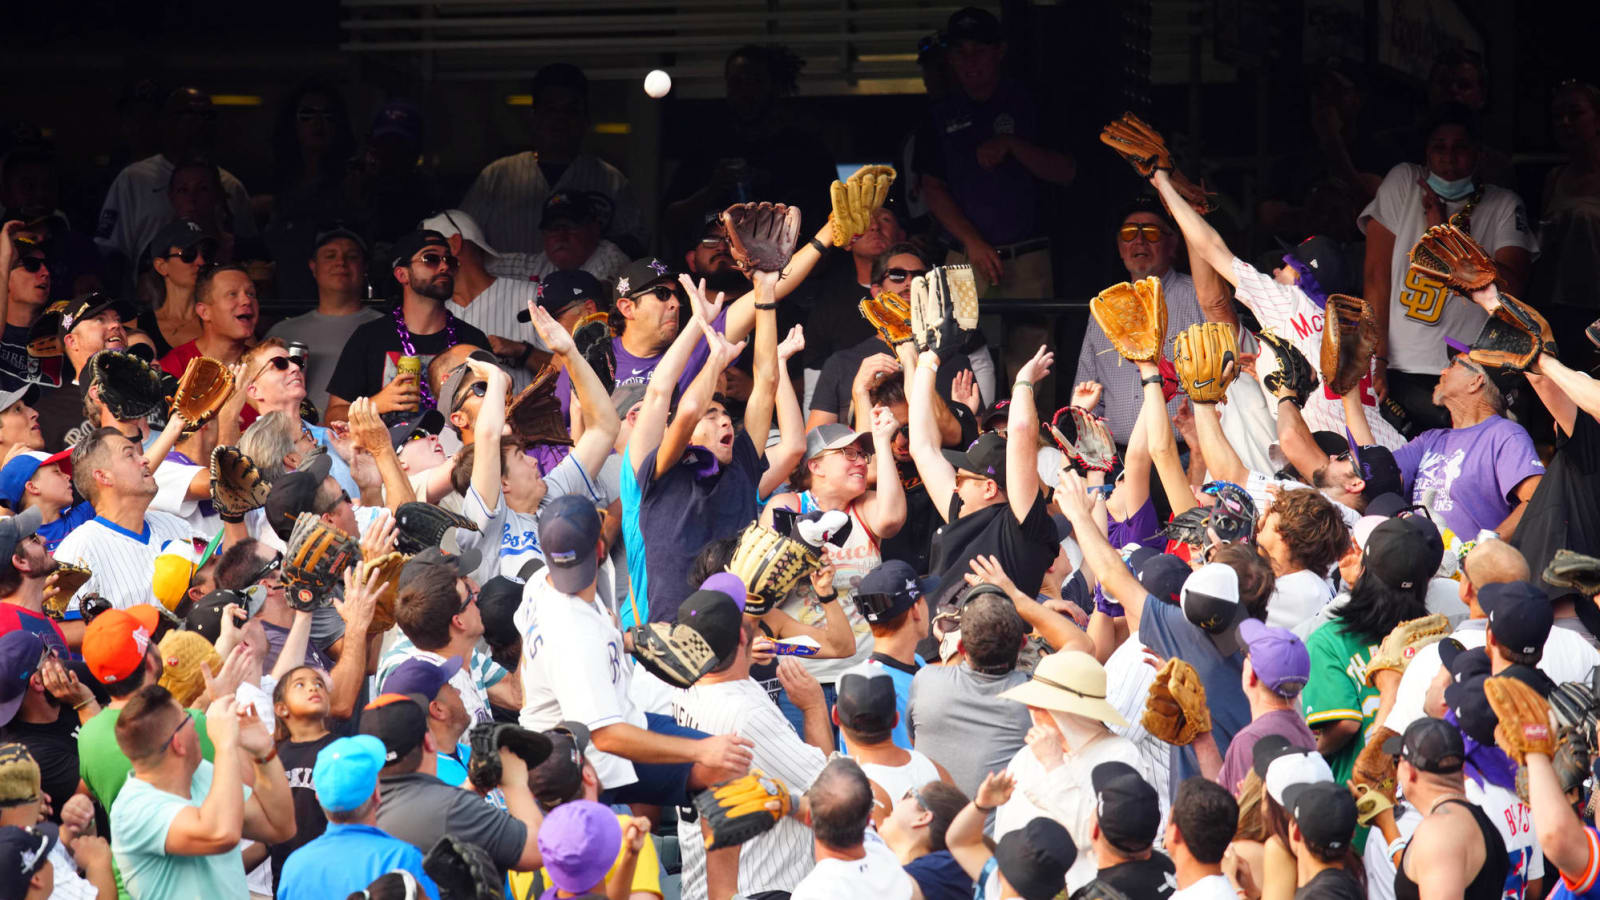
point(1469, 472)
point(631, 369)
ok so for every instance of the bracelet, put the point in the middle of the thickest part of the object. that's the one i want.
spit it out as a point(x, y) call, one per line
point(772, 305)
point(1291, 398)
point(981, 808)
point(522, 358)
point(828, 599)
point(1153, 379)
point(1020, 385)
point(817, 245)
point(84, 703)
point(269, 757)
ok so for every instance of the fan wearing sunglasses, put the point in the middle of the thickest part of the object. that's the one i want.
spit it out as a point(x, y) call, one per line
point(178, 253)
point(27, 294)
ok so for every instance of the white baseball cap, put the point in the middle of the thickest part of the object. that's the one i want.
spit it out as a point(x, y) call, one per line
point(454, 221)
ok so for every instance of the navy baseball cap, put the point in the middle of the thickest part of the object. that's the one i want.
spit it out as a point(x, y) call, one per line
point(1161, 574)
point(1520, 615)
point(1474, 715)
point(866, 701)
point(181, 233)
point(569, 207)
point(568, 531)
point(426, 422)
point(23, 852)
point(420, 677)
point(1035, 858)
point(1325, 812)
point(1128, 808)
point(985, 456)
point(333, 233)
point(887, 591)
point(498, 600)
point(398, 117)
point(20, 653)
point(560, 289)
point(972, 24)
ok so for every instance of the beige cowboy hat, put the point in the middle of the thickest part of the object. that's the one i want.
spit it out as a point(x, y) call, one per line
point(1070, 682)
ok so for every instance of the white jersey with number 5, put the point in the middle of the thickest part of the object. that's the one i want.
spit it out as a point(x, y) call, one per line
point(574, 669)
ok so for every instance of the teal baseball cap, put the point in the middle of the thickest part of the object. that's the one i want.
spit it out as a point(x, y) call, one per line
point(346, 772)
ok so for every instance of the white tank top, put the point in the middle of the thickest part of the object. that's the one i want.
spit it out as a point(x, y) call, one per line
point(897, 780)
point(851, 563)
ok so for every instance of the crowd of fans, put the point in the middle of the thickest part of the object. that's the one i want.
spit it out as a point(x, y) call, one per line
point(955, 695)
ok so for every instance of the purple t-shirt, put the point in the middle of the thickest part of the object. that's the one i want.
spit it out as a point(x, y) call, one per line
point(1471, 470)
point(1285, 722)
point(631, 369)
point(1138, 528)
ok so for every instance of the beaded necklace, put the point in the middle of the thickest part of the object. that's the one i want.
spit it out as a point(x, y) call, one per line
point(409, 349)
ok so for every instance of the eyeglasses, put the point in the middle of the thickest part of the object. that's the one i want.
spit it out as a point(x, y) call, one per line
point(914, 794)
point(344, 497)
point(314, 113)
point(418, 435)
point(272, 567)
point(282, 363)
point(1151, 233)
point(853, 454)
point(190, 254)
point(901, 276)
point(172, 737)
point(472, 595)
point(33, 265)
point(438, 260)
point(662, 292)
point(713, 242)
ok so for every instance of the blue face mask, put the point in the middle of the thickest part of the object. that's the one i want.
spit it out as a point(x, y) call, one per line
point(1450, 190)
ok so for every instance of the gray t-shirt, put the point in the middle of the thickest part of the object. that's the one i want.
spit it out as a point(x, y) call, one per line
point(419, 809)
point(956, 716)
point(324, 337)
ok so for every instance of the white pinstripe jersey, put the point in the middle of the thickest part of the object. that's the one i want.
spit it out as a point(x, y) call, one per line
point(495, 312)
point(605, 264)
point(1292, 316)
point(122, 562)
point(507, 199)
point(1129, 674)
point(779, 859)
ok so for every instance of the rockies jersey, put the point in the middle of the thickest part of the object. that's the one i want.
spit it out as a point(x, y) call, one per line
point(122, 562)
point(779, 859)
point(1292, 316)
point(495, 312)
point(507, 200)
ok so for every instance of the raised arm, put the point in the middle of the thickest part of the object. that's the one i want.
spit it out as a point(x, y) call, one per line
point(964, 838)
point(945, 420)
point(1022, 436)
point(1355, 418)
point(486, 431)
point(692, 405)
point(938, 476)
point(600, 422)
point(1133, 490)
point(217, 824)
point(1203, 241)
point(742, 312)
point(1294, 437)
point(885, 510)
point(8, 255)
point(1221, 459)
point(1115, 579)
point(1057, 630)
point(1163, 445)
point(1562, 837)
point(1580, 391)
point(763, 394)
point(370, 435)
point(1375, 287)
point(651, 423)
point(791, 447)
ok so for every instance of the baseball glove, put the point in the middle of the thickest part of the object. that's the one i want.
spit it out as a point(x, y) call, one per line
point(1294, 377)
point(1207, 358)
point(419, 526)
point(202, 391)
point(317, 555)
point(1524, 718)
point(592, 336)
point(1572, 758)
point(1573, 702)
point(535, 415)
point(944, 302)
point(1403, 642)
point(236, 484)
point(741, 809)
point(1134, 318)
point(761, 236)
point(1574, 570)
point(1175, 710)
point(1189, 526)
point(890, 315)
point(389, 566)
point(69, 578)
point(770, 565)
point(1512, 337)
point(1373, 778)
point(1090, 444)
point(463, 870)
point(1146, 151)
point(129, 387)
point(676, 654)
point(856, 199)
point(1349, 338)
point(486, 738)
point(1450, 255)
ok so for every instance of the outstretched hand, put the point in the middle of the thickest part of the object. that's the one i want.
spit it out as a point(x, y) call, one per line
point(557, 338)
point(704, 310)
point(1037, 368)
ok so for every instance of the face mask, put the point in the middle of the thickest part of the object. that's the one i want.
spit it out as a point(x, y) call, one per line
point(1450, 190)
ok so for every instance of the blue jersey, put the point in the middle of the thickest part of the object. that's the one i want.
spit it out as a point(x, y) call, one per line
point(1583, 885)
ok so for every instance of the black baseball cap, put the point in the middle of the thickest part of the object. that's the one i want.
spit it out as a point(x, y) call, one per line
point(1319, 260)
point(464, 563)
point(1379, 470)
point(1325, 812)
point(1431, 745)
point(568, 530)
point(181, 233)
point(399, 720)
point(1127, 806)
point(1161, 574)
point(643, 273)
point(559, 777)
point(89, 306)
point(1506, 380)
point(1398, 554)
point(985, 456)
point(1267, 749)
point(715, 616)
point(498, 600)
point(1035, 858)
point(1461, 662)
point(23, 852)
point(449, 401)
point(1520, 615)
point(571, 207)
point(1469, 703)
point(428, 421)
point(562, 288)
point(333, 233)
point(972, 24)
point(866, 701)
point(887, 591)
point(205, 617)
point(408, 246)
point(295, 493)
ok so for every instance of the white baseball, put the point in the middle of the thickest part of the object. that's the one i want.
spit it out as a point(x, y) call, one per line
point(657, 83)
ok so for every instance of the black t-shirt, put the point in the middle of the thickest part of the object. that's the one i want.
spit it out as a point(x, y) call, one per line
point(54, 746)
point(1562, 512)
point(1331, 884)
point(912, 543)
point(835, 322)
point(17, 368)
point(368, 360)
point(61, 414)
point(839, 373)
point(299, 758)
point(1154, 877)
point(1025, 549)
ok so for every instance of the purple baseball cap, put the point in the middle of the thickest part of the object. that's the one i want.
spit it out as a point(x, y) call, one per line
point(728, 583)
point(1277, 656)
point(579, 842)
point(419, 676)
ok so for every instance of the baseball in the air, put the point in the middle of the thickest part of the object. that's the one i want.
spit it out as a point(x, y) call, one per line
point(657, 83)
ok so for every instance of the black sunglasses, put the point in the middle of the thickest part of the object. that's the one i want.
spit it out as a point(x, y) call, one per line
point(477, 389)
point(32, 264)
point(439, 260)
point(901, 276)
point(471, 596)
point(190, 254)
point(662, 292)
point(282, 363)
point(272, 565)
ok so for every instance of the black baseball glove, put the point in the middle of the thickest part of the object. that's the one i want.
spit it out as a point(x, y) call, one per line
point(129, 387)
point(1294, 377)
point(486, 739)
point(419, 526)
point(463, 870)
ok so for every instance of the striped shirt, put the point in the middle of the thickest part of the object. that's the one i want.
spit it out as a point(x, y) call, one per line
point(780, 858)
point(1292, 316)
point(471, 681)
point(507, 200)
point(1100, 361)
point(122, 561)
point(495, 312)
point(1130, 670)
point(605, 264)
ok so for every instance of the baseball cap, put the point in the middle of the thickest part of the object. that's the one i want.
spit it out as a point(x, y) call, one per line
point(972, 24)
point(14, 529)
point(627, 396)
point(985, 457)
point(180, 233)
point(716, 617)
point(205, 617)
point(571, 207)
point(647, 271)
point(1461, 662)
point(1035, 858)
point(1431, 745)
point(24, 466)
point(114, 645)
point(558, 777)
point(568, 530)
point(866, 700)
point(408, 245)
point(334, 232)
point(89, 306)
point(1505, 380)
point(20, 781)
point(28, 393)
point(1277, 656)
point(454, 222)
point(346, 772)
point(1210, 600)
point(1268, 748)
point(397, 720)
point(834, 436)
point(296, 493)
point(579, 842)
point(1379, 471)
point(427, 422)
point(888, 591)
point(498, 599)
point(464, 563)
point(20, 653)
point(1320, 263)
point(1162, 575)
point(23, 852)
point(419, 677)
point(562, 288)
point(1128, 808)
point(182, 653)
point(1470, 705)
point(448, 402)
point(1520, 615)
point(1397, 552)
point(1325, 812)
point(397, 117)
point(1293, 767)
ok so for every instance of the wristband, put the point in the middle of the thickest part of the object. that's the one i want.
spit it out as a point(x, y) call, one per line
point(766, 306)
point(981, 808)
point(1153, 379)
point(828, 599)
point(269, 757)
point(1291, 399)
point(1100, 489)
point(1020, 385)
point(1382, 359)
point(817, 245)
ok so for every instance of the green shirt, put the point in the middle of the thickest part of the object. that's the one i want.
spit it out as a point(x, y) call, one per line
point(100, 760)
point(1338, 690)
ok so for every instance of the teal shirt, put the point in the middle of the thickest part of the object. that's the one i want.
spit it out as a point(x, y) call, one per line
point(139, 824)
